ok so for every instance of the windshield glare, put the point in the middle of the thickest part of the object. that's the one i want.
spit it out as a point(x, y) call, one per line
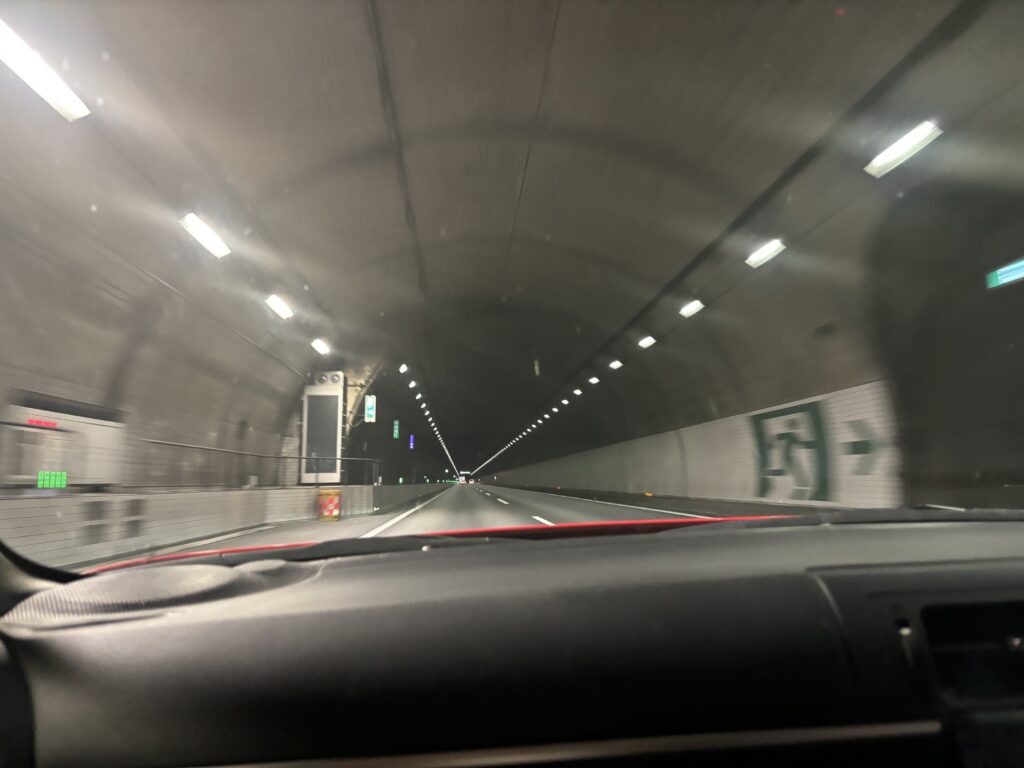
point(304, 271)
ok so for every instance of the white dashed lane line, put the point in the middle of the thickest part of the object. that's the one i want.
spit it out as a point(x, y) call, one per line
point(542, 520)
point(501, 500)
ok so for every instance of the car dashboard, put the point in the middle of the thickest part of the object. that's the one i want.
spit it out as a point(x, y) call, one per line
point(725, 644)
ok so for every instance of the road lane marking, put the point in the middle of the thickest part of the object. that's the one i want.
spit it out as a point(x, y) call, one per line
point(399, 518)
point(501, 500)
point(541, 520)
point(204, 542)
point(628, 506)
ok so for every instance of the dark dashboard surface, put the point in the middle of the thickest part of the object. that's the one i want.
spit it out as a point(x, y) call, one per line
point(524, 643)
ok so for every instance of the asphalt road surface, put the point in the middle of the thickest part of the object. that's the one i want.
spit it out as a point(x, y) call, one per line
point(456, 508)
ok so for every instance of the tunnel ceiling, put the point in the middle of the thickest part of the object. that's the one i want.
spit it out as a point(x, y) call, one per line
point(504, 195)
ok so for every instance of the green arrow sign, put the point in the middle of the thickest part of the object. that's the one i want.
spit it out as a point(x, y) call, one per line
point(864, 446)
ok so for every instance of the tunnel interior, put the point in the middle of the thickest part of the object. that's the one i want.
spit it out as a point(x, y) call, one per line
point(507, 197)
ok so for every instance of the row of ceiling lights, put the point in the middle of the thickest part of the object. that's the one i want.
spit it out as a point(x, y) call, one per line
point(27, 64)
point(892, 156)
point(403, 368)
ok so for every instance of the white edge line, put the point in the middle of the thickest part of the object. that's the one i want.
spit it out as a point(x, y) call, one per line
point(613, 504)
point(541, 520)
point(398, 518)
point(212, 539)
point(501, 500)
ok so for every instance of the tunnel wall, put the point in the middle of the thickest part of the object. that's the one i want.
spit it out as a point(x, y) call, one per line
point(838, 448)
point(73, 530)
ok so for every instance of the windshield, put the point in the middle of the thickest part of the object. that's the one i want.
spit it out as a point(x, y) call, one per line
point(286, 271)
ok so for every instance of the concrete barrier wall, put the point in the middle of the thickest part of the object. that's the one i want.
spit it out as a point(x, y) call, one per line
point(838, 448)
point(70, 530)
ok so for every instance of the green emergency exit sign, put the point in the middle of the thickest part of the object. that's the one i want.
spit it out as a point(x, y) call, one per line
point(394, 430)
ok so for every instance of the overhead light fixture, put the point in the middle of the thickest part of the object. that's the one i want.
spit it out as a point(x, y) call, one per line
point(426, 413)
point(320, 346)
point(423, 405)
point(647, 341)
point(27, 64)
point(403, 368)
point(564, 401)
point(419, 395)
point(593, 380)
point(204, 235)
point(904, 148)
point(412, 385)
point(615, 365)
point(547, 415)
point(691, 308)
point(279, 306)
point(554, 410)
point(577, 392)
point(766, 252)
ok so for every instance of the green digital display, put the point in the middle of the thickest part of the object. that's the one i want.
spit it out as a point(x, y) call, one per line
point(394, 430)
point(1011, 273)
point(52, 480)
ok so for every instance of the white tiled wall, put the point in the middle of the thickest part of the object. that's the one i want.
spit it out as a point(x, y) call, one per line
point(68, 530)
point(720, 459)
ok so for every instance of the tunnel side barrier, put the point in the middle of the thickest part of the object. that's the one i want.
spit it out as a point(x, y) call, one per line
point(837, 449)
point(85, 528)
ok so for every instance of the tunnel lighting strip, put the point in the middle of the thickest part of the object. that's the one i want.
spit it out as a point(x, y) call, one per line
point(279, 305)
point(27, 64)
point(204, 235)
point(904, 148)
point(691, 308)
point(403, 368)
point(765, 253)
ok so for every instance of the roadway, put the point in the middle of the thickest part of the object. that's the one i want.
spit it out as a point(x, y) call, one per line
point(456, 508)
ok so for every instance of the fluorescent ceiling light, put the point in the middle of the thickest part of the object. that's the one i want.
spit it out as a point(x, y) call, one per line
point(577, 392)
point(564, 401)
point(279, 306)
point(647, 341)
point(547, 415)
point(423, 405)
point(320, 346)
point(904, 148)
point(554, 410)
point(593, 380)
point(412, 385)
point(615, 365)
point(691, 308)
point(206, 237)
point(403, 368)
point(27, 64)
point(768, 251)
point(419, 395)
point(426, 413)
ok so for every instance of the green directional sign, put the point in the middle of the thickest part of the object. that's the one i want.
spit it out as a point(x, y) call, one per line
point(394, 430)
point(1011, 273)
point(370, 415)
point(863, 445)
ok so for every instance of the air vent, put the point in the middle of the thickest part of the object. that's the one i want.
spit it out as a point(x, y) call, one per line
point(978, 650)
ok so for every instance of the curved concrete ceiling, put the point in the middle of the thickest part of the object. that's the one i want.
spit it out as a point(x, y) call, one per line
point(507, 195)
